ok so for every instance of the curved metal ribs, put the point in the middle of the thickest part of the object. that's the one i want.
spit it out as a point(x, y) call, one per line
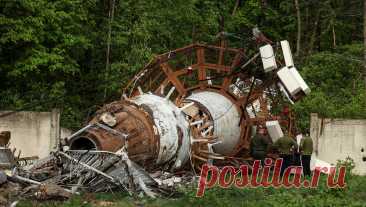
point(188, 104)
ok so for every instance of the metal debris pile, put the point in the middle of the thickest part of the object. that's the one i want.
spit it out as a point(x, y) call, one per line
point(65, 173)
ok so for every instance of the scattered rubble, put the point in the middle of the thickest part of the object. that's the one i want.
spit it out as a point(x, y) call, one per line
point(62, 174)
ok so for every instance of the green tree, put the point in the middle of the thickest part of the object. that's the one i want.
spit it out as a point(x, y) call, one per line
point(337, 85)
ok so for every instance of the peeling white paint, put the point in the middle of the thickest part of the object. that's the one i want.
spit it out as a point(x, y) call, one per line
point(168, 118)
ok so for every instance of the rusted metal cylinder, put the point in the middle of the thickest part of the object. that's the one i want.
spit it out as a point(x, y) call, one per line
point(141, 140)
point(225, 118)
point(156, 131)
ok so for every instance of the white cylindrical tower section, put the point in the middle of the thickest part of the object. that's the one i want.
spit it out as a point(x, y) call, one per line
point(172, 127)
point(225, 118)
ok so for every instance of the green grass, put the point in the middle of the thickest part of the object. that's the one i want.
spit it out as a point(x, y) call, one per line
point(353, 195)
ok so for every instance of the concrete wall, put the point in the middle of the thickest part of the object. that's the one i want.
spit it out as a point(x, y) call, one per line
point(336, 139)
point(65, 133)
point(34, 133)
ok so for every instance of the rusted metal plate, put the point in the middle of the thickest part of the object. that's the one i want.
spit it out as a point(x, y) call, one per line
point(202, 69)
point(173, 78)
point(131, 120)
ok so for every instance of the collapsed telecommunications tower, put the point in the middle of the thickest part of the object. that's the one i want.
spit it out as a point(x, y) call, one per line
point(197, 104)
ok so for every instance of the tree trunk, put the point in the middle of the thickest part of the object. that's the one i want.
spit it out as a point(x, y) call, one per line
point(298, 17)
point(314, 32)
point(235, 7)
point(109, 38)
point(193, 34)
point(364, 41)
point(334, 38)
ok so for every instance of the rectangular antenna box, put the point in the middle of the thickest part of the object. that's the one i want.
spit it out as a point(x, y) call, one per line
point(287, 55)
point(300, 80)
point(268, 58)
point(289, 81)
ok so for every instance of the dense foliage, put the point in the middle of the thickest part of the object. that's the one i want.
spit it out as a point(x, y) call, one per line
point(53, 53)
point(337, 86)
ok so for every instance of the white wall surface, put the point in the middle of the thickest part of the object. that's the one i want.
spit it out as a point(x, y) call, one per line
point(336, 139)
point(34, 133)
